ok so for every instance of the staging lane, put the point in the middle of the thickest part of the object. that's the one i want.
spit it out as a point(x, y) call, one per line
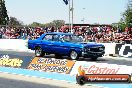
point(109, 60)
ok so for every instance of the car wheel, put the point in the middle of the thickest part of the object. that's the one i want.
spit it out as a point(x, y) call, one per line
point(81, 80)
point(94, 58)
point(73, 55)
point(39, 52)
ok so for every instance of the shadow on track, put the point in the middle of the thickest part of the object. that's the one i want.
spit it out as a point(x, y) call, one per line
point(80, 59)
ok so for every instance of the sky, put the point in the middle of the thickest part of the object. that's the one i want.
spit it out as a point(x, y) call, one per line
point(45, 11)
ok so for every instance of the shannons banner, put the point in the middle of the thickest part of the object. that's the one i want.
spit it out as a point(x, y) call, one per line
point(51, 65)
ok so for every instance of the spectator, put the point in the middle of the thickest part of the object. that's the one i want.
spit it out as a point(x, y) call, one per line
point(89, 33)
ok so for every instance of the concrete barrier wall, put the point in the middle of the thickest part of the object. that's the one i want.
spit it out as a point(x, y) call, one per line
point(109, 48)
point(21, 45)
point(14, 44)
point(124, 50)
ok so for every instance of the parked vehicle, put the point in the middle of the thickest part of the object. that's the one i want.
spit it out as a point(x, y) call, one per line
point(65, 44)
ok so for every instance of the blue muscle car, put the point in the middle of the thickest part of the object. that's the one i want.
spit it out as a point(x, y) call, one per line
point(65, 44)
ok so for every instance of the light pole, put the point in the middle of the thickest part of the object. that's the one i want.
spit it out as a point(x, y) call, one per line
point(83, 17)
point(72, 9)
point(71, 15)
point(82, 20)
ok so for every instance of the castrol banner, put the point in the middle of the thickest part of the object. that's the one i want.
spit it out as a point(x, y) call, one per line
point(100, 68)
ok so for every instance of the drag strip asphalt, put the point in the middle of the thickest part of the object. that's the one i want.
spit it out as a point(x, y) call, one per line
point(48, 77)
point(109, 60)
point(19, 81)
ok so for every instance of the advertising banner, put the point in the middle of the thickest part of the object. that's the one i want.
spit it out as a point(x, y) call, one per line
point(101, 68)
point(51, 65)
point(124, 50)
point(15, 61)
point(103, 73)
point(6, 61)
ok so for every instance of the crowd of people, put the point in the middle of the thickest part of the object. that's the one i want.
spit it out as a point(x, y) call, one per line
point(100, 34)
point(104, 34)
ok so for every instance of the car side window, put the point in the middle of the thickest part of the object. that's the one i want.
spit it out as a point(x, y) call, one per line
point(55, 38)
point(48, 37)
point(66, 38)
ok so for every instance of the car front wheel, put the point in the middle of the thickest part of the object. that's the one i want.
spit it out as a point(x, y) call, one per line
point(39, 52)
point(74, 55)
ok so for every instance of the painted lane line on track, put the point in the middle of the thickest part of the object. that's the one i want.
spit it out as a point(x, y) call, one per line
point(56, 76)
point(40, 74)
point(14, 80)
point(44, 75)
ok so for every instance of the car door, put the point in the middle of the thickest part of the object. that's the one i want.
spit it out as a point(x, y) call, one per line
point(47, 43)
point(58, 46)
point(61, 46)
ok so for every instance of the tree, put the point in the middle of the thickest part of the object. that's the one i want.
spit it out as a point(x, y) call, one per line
point(55, 23)
point(3, 13)
point(58, 23)
point(35, 24)
point(127, 15)
point(15, 22)
point(49, 24)
point(126, 20)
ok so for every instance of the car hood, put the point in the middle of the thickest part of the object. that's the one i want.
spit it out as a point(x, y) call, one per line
point(91, 44)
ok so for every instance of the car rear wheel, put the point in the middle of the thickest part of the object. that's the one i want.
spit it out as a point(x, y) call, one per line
point(74, 55)
point(39, 52)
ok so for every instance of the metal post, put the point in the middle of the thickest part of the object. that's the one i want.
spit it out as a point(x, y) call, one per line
point(72, 17)
point(83, 16)
point(69, 16)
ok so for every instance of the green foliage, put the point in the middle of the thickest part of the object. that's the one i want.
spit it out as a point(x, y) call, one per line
point(54, 23)
point(126, 20)
point(58, 23)
point(127, 16)
point(15, 22)
point(3, 13)
point(122, 26)
point(36, 24)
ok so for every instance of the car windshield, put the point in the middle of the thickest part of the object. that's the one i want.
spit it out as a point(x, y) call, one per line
point(72, 38)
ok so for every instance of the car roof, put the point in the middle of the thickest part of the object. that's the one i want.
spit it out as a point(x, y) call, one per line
point(57, 33)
